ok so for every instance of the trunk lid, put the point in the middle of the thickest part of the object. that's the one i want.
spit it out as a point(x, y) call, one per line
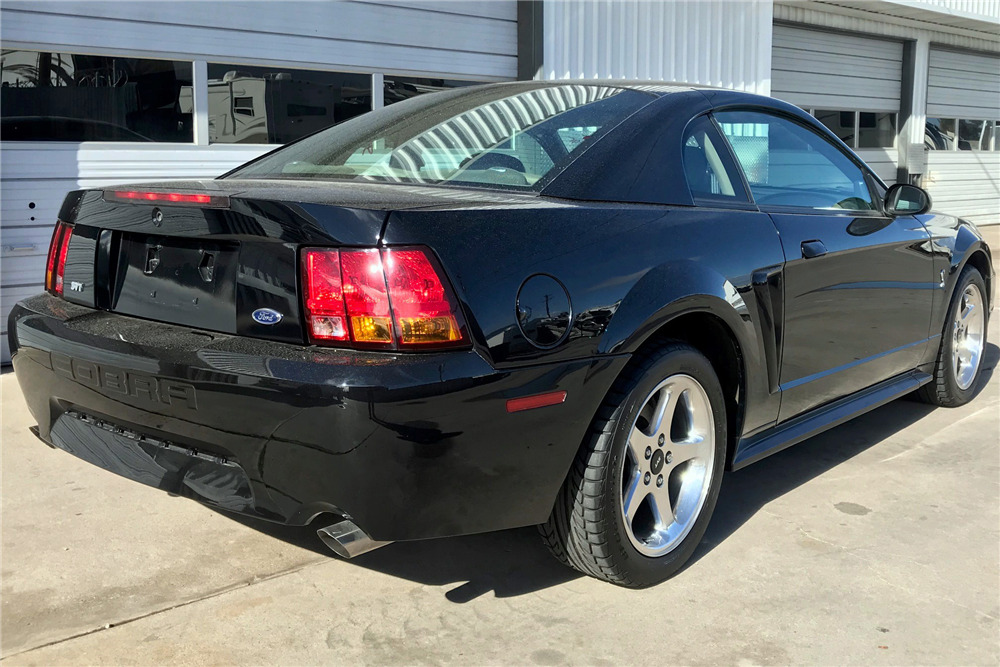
point(232, 267)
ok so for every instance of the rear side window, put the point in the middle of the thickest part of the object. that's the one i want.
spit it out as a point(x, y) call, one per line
point(710, 172)
point(787, 164)
point(512, 136)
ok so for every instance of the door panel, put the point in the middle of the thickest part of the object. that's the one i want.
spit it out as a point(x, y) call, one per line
point(856, 314)
point(858, 285)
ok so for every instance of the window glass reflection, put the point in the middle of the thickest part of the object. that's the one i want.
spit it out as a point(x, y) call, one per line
point(973, 135)
point(47, 96)
point(840, 123)
point(399, 88)
point(265, 105)
point(876, 130)
point(939, 134)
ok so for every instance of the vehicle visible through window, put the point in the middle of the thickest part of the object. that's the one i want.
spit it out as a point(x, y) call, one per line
point(266, 105)
point(47, 96)
point(949, 134)
point(787, 164)
point(860, 129)
point(505, 136)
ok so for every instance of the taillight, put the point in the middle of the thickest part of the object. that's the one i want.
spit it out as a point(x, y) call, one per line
point(388, 299)
point(324, 296)
point(55, 264)
point(423, 308)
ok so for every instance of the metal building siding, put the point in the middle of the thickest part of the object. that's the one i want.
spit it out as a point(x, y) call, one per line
point(827, 70)
point(453, 40)
point(966, 184)
point(963, 85)
point(41, 174)
point(448, 39)
point(725, 44)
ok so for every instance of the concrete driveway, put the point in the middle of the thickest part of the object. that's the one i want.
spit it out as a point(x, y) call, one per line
point(877, 542)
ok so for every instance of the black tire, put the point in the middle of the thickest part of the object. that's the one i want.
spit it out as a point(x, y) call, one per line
point(944, 389)
point(586, 529)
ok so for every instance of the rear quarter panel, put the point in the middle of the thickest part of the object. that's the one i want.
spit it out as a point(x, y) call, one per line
point(628, 270)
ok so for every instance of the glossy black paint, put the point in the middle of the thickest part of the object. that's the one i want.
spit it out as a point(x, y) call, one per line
point(826, 313)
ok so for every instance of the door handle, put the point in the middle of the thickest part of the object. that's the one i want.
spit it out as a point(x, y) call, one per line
point(812, 249)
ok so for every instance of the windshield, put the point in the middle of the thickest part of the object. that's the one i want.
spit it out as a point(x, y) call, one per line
point(508, 136)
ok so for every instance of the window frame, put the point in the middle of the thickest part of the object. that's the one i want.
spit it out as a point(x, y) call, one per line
point(869, 176)
point(856, 137)
point(729, 163)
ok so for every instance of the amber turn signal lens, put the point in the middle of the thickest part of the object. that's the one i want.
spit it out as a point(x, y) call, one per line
point(371, 329)
point(429, 329)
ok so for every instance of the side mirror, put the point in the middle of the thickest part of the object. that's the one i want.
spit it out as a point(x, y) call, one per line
point(904, 199)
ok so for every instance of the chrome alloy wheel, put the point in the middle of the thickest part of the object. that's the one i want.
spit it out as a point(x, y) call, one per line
point(667, 470)
point(968, 331)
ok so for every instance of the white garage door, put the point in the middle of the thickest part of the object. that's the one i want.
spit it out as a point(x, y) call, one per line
point(244, 46)
point(851, 82)
point(963, 108)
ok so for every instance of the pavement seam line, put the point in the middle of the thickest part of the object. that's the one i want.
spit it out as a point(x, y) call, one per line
point(214, 594)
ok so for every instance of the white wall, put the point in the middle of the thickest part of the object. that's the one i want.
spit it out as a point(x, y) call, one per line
point(718, 43)
point(443, 39)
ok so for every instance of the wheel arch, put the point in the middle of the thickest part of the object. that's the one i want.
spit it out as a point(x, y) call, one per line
point(709, 333)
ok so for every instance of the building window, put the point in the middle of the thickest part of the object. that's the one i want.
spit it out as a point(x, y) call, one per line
point(860, 129)
point(47, 96)
point(951, 134)
point(399, 88)
point(266, 105)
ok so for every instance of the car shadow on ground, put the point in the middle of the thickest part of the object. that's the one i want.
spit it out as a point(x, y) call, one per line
point(515, 562)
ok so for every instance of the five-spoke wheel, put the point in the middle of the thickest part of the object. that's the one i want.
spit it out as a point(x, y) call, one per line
point(669, 459)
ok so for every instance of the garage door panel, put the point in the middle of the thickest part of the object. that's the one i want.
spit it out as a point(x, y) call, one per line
point(833, 84)
point(816, 69)
point(796, 60)
point(963, 85)
point(835, 43)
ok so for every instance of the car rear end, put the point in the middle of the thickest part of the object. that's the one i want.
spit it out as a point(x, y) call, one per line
point(257, 349)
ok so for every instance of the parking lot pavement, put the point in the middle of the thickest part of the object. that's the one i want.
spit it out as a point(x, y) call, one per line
point(876, 542)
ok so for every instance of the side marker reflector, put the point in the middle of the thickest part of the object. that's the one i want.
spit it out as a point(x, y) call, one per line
point(536, 401)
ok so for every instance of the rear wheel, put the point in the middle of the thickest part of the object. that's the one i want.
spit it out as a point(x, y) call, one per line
point(963, 343)
point(643, 488)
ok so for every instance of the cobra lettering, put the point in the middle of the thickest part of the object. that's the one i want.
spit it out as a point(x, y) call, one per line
point(117, 381)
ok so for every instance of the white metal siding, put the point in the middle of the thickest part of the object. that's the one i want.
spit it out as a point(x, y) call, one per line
point(42, 174)
point(827, 70)
point(883, 162)
point(448, 39)
point(718, 43)
point(966, 184)
point(963, 85)
point(470, 40)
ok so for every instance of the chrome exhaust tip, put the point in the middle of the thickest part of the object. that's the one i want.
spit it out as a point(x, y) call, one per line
point(347, 540)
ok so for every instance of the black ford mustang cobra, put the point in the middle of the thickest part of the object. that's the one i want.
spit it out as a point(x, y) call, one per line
point(566, 304)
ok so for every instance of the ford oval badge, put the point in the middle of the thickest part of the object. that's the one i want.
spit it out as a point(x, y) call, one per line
point(266, 316)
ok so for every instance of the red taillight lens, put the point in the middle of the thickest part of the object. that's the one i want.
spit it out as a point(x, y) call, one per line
point(390, 299)
point(366, 297)
point(425, 312)
point(55, 264)
point(324, 297)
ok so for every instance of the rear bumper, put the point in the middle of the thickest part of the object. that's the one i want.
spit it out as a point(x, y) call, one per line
point(408, 446)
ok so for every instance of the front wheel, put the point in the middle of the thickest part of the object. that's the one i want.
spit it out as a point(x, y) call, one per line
point(963, 343)
point(642, 489)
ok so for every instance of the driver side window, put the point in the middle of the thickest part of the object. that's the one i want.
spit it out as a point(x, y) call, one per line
point(787, 164)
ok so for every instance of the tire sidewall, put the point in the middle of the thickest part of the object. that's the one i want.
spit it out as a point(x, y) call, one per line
point(968, 276)
point(648, 570)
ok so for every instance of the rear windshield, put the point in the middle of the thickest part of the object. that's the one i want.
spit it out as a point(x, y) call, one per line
point(510, 136)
